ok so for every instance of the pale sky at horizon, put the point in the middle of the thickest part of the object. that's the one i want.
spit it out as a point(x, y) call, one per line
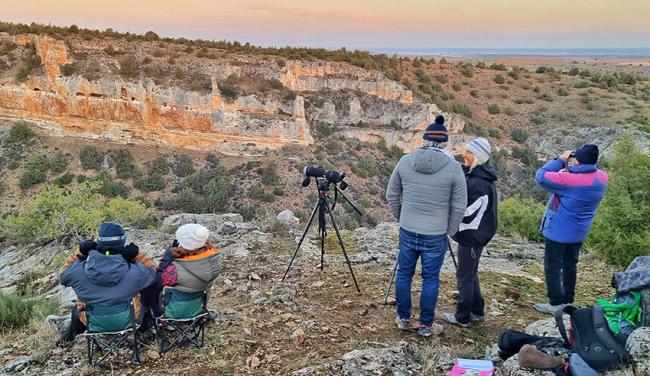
point(363, 24)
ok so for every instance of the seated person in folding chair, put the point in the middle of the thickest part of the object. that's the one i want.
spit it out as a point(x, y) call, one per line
point(106, 273)
point(190, 265)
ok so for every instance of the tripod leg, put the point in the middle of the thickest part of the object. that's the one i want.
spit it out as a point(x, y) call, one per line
point(390, 285)
point(323, 235)
point(453, 258)
point(304, 233)
point(347, 260)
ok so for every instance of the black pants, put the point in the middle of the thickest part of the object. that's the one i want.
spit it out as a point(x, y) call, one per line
point(560, 268)
point(470, 299)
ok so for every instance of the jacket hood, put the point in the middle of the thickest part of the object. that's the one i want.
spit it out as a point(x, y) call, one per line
point(485, 171)
point(105, 270)
point(430, 160)
point(205, 269)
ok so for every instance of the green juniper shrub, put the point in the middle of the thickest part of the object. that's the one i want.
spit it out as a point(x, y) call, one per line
point(621, 230)
point(109, 188)
point(129, 66)
point(526, 155)
point(150, 183)
point(270, 175)
point(35, 171)
point(499, 79)
point(494, 132)
point(64, 179)
point(59, 162)
point(498, 67)
point(519, 134)
point(456, 86)
point(123, 163)
point(510, 111)
point(159, 166)
point(494, 109)
point(499, 159)
point(183, 166)
point(520, 216)
point(256, 191)
point(461, 108)
point(247, 212)
point(90, 158)
point(19, 133)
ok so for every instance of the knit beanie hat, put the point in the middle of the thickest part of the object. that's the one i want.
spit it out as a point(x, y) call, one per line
point(110, 235)
point(436, 131)
point(481, 149)
point(587, 154)
point(192, 236)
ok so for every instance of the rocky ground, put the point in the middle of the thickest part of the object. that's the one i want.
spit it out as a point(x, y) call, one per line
point(314, 323)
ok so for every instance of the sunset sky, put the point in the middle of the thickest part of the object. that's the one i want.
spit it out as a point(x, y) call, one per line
point(369, 24)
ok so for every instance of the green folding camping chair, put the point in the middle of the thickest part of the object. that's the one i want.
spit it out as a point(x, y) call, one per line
point(113, 330)
point(183, 320)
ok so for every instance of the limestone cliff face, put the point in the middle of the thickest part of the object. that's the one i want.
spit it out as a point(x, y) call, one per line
point(316, 76)
point(144, 113)
point(363, 103)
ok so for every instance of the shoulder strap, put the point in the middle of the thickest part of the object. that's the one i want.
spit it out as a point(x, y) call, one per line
point(559, 321)
point(602, 330)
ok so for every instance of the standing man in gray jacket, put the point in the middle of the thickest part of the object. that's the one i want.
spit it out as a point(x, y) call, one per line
point(428, 196)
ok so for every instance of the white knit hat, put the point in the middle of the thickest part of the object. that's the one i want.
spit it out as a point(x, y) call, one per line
point(481, 149)
point(192, 236)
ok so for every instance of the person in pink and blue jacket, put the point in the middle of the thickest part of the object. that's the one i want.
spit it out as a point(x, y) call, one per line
point(576, 191)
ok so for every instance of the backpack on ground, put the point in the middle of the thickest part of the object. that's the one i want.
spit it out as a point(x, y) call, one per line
point(511, 341)
point(590, 336)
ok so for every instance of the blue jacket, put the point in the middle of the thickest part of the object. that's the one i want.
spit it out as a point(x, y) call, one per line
point(576, 194)
point(107, 279)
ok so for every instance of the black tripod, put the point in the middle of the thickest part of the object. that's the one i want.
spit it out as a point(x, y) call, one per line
point(324, 207)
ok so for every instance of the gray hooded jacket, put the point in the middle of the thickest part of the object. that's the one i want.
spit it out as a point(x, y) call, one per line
point(197, 275)
point(427, 192)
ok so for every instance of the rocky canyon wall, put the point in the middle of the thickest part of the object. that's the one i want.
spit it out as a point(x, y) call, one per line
point(363, 103)
point(141, 112)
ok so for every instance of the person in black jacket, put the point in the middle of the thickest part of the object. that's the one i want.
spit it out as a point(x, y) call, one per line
point(476, 230)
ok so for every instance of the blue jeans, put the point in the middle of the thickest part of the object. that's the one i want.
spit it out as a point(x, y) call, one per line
point(432, 249)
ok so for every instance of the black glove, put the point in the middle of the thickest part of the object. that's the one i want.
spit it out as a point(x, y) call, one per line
point(86, 246)
point(130, 252)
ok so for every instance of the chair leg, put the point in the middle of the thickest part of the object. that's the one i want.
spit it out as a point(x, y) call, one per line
point(90, 345)
point(136, 345)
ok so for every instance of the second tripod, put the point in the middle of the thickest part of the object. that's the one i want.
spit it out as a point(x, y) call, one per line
point(324, 208)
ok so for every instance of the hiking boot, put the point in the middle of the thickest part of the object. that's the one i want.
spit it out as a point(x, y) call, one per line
point(478, 318)
point(403, 324)
point(451, 318)
point(530, 357)
point(548, 308)
point(429, 330)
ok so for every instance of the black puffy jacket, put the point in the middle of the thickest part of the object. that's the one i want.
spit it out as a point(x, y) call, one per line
point(480, 221)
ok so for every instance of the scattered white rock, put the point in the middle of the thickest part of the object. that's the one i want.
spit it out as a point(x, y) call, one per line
point(287, 217)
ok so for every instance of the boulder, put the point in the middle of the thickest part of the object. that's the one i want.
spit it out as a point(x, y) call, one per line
point(379, 359)
point(638, 344)
point(287, 217)
point(211, 221)
point(511, 368)
point(546, 327)
point(378, 244)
